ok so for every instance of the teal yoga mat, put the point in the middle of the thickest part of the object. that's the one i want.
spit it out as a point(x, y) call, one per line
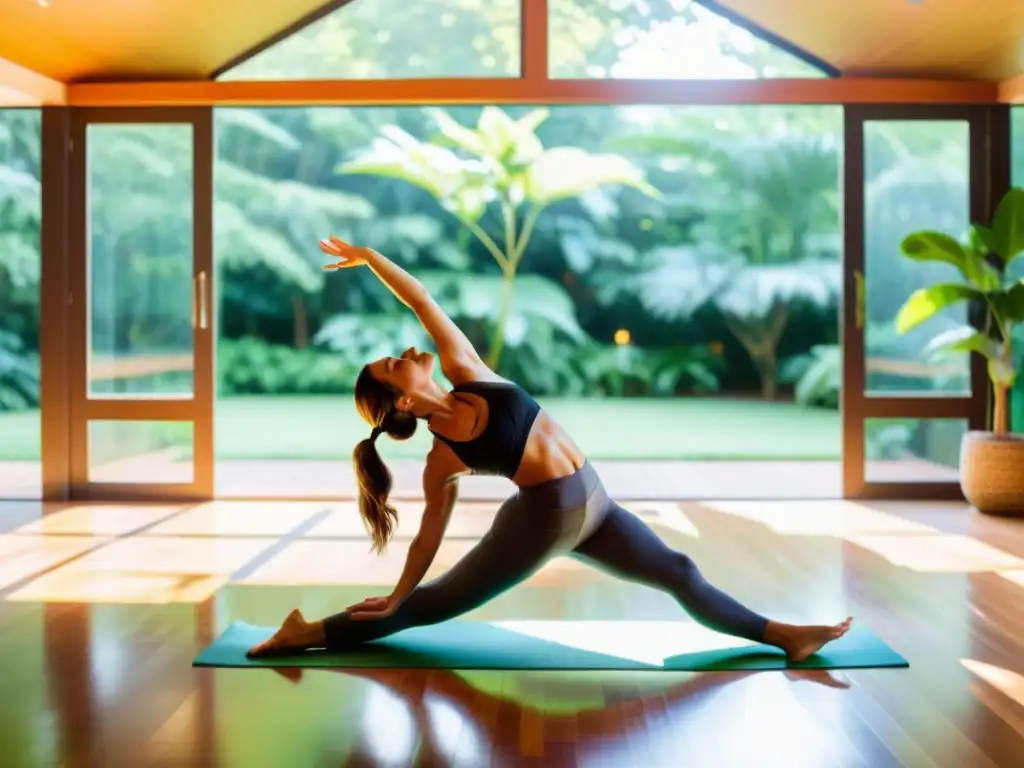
point(554, 645)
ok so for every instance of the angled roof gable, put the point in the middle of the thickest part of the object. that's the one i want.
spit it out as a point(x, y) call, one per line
point(396, 39)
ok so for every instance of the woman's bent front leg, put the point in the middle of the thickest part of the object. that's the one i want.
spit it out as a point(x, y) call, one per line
point(493, 566)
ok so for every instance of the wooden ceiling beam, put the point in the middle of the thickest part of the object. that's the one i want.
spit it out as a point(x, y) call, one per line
point(845, 90)
point(1012, 91)
point(21, 87)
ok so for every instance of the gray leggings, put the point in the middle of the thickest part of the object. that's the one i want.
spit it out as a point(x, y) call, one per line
point(569, 516)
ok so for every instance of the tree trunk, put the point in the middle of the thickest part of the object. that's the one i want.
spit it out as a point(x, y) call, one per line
point(761, 339)
point(508, 285)
point(301, 321)
point(767, 366)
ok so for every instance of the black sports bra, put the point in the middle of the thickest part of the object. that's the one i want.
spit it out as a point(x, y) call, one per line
point(498, 450)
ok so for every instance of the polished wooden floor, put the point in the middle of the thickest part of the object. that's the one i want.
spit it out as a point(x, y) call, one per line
point(102, 609)
point(651, 479)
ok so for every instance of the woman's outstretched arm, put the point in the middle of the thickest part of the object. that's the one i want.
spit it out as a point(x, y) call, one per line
point(440, 491)
point(459, 360)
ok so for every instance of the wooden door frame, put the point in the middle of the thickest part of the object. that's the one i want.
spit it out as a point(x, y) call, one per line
point(80, 408)
point(989, 180)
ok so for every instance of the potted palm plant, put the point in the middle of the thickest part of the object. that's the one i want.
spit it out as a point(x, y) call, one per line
point(991, 462)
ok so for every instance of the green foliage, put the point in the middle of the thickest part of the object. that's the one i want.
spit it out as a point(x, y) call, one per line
point(818, 375)
point(505, 164)
point(606, 258)
point(925, 303)
point(249, 366)
point(474, 297)
point(20, 220)
point(624, 371)
point(768, 230)
point(982, 258)
point(269, 223)
point(19, 374)
point(359, 338)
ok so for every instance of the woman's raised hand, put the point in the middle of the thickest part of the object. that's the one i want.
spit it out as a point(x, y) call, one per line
point(347, 255)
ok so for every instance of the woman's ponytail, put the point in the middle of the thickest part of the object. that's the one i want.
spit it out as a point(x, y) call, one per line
point(374, 480)
point(376, 402)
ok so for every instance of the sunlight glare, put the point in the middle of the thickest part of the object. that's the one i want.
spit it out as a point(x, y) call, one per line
point(237, 519)
point(22, 556)
point(666, 513)
point(74, 584)
point(388, 729)
point(938, 553)
point(1014, 577)
point(818, 518)
point(1010, 683)
point(647, 642)
point(100, 519)
point(453, 731)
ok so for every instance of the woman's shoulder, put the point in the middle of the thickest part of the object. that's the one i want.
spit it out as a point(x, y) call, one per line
point(466, 374)
point(482, 375)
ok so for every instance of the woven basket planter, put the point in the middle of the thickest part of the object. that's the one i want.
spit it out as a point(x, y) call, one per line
point(992, 473)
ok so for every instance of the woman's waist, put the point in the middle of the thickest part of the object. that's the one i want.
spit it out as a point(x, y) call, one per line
point(558, 490)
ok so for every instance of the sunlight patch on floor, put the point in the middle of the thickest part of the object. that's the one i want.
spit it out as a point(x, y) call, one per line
point(1000, 690)
point(100, 519)
point(238, 519)
point(350, 562)
point(22, 556)
point(648, 642)
point(167, 555)
point(1005, 680)
point(668, 514)
point(938, 553)
point(344, 521)
point(75, 584)
point(1015, 577)
point(818, 518)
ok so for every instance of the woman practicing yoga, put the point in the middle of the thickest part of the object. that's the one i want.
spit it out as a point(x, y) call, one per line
point(492, 426)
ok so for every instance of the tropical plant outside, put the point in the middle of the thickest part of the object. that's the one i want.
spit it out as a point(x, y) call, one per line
point(984, 259)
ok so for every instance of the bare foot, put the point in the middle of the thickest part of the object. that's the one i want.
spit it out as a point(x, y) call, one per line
point(295, 634)
point(801, 642)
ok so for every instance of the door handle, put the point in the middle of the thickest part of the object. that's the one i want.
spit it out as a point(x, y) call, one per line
point(858, 277)
point(195, 304)
point(203, 313)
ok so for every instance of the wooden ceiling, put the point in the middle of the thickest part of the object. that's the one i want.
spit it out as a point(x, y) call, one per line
point(81, 40)
point(77, 40)
point(963, 39)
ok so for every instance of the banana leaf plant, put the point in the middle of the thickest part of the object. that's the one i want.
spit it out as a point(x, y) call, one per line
point(983, 258)
point(500, 164)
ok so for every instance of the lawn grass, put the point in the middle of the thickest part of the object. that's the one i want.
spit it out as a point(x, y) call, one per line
point(19, 436)
point(254, 428)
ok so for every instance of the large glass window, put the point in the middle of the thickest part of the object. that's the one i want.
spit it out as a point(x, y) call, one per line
point(397, 39)
point(916, 176)
point(621, 39)
point(1017, 179)
point(20, 212)
point(659, 39)
point(665, 280)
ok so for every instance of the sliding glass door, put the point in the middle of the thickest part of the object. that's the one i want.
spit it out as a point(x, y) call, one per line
point(141, 350)
point(904, 415)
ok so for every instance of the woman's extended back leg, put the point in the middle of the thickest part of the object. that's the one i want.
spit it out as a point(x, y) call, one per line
point(626, 547)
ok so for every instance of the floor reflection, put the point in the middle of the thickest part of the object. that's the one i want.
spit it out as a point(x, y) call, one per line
point(103, 608)
point(495, 718)
point(111, 685)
